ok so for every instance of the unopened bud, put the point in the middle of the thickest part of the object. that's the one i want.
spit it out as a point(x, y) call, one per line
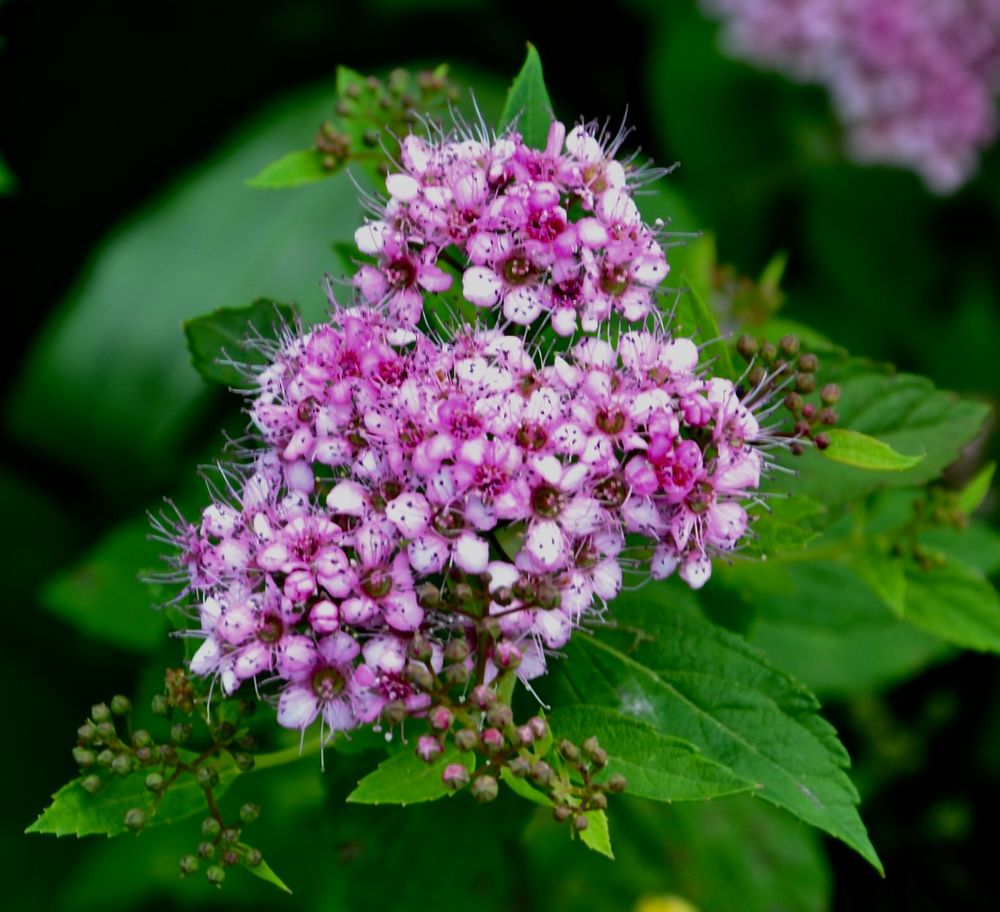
point(539, 726)
point(90, 784)
point(561, 813)
point(428, 748)
point(830, 394)
point(456, 675)
point(420, 647)
point(746, 346)
point(490, 627)
point(466, 739)
point(206, 849)
point(506, 655)
point(253, 858)
point(230, 857)
point(809, 363)
point(520, 766)
point(569, 750)
point(790, 345)
point(483, 697)
point(244, 761)
point(500, 715)
point(525, 735)
point(768, 352)
point(822, 441)
point(793, 402)
point(210, 828)
point(580, 823)
point(206, 777)
point(805, 382)
point(230, 836)
point(122, 764)
point(105, 731)
point(105, 757)
point(493, 741)
point(120, 705)
point(154, 782)
point(541, 773)
point(216, 874)
point(828, 416)
point(394, 712)
point(757, 375)
point(599, 801)
point(484, 788)
point(418, 675)
point(249, 812)
point(100, 712)
point(189, 864)
point(86, 733)
point(180, 732)
point(456, 651)
point(84, 757)
point(160, 706)
point(135, 819)
point(440, 718)
point(617, 783)
point(809, 411)
point(455, 776)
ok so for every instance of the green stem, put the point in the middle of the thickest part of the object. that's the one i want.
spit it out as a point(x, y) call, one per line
point(286, 755)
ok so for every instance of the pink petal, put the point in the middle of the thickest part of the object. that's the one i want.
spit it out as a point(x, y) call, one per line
point(297, 707)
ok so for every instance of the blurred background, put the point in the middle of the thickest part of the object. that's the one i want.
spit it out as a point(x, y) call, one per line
point(127, 134)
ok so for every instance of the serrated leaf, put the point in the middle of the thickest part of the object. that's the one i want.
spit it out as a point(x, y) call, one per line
point(528, 102)
point(75, 812)
point(406, 779)
point(785, 524)
point(656, 765)
point(694, 318)
point(863, 452)
point(293, 170)
point(667, 666)
point(954, 602)
point(974, 493)
point(217, 341)
point(597, 836)
point(102, 594)
point(264, 872)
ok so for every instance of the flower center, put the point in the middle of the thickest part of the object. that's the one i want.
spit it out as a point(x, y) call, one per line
point(611, 491)
point(327, 683)
point(377, 584)
point(531, 436)
point(518, 270)
point(491, 480)
point(449, 523)
point(547, 501)
point(610, 422)
point(614, 279)
point(400, 274)
point(270, 630)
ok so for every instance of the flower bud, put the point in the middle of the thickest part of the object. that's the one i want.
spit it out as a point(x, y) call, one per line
point(418, 675)
point(206, 849)
point(440, 718)
point(105, 731)
point(790, 345)
point(142, 738)
point(122, 764)
point(120, 705)
point(500, 715)
point(520, 766)
point(830, 394)
point(455, 776)
point(768, 352)
point(210, 828)
point(86, 733)
point(456, 651)
point(154, 782)
point(746, 346)
point(206, 777)
point(216, 875)
point(483, 697)
point(253, 857)
point(617, 783)
point(793, 402)
point(230, 857)
point(105, 757)
point(484, 788)
point(493, 741)
point(420, 647)
point(135, 819)
point(466, 739)
point(160, 706)
point(805, 382)
point(757, 375)
point(580, 823)
point(561, 813)
point(822, 441)
point(90, 784)
point(100, 712)
point(249, 813)
point(230, 836)
point(808, 363)
point(428, 748)
point(189, 864)
point(456, 675)
point(525, 736)
point(84, 757)
point(180, 732)
point(143, 754)
point(828, 416)
point(244, 761)
point(539, 726)
point(599, 758)
point(569, 750)
point(506, 655)
point(394, 712)
point(541, 773)
point(599, 801)
point(809, 411)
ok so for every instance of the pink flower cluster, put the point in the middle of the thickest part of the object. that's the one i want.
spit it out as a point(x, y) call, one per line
point(553, 231)
point(914, 81)
point(410, 493)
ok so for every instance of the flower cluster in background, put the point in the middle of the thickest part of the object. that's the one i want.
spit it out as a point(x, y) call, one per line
point(426, 513)
point(914, 81)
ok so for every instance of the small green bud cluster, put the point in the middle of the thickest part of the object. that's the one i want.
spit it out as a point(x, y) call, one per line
point(109, 746)
point(392, 104)
point(775, 367)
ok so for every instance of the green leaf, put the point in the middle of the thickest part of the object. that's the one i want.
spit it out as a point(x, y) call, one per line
point(954, 602)
point(264, 872)
point(694, 318)
point(75, 812)
point(217, 339)
point(8, 183)
point(667, 666)
point(292, 170)
point(102, 594)
point(974, 493)
point(406, 779)
point(656, 765)
point(863, 452)
point(597, 836)
point(524, 789)
point(785, 524)
point(528, 102)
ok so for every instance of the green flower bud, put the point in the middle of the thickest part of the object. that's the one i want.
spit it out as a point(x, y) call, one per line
point(180, 732)
point(189, 864)
point(84, 758)
point(155, 782)
point(580, 823)
point(100, 712)
point(90, 784)
point(216, 875)
point(561, 813)
point(122, 764)
point(249, 812)
point(617, 783)
point(253, 857)
point(135, 819)
point(206, 777)
point(160, 706)
point(120, 705)
point(210, 828)
point(244, 761)
point(484, 788)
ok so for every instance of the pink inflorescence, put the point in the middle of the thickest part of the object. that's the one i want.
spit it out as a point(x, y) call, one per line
point(914, 81)
point(487, 489)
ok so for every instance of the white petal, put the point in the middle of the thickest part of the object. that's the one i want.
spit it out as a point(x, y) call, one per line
point(409, 513)
point(546, 543)
point(402, 611)
point(371, 237)
point(481, 286)
point(427, 554)
point(472, 554)
point(205, 660)
point(297, 707)
point(348, 497)
point(522, 305)
point(695, 572)
point(402, 187)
